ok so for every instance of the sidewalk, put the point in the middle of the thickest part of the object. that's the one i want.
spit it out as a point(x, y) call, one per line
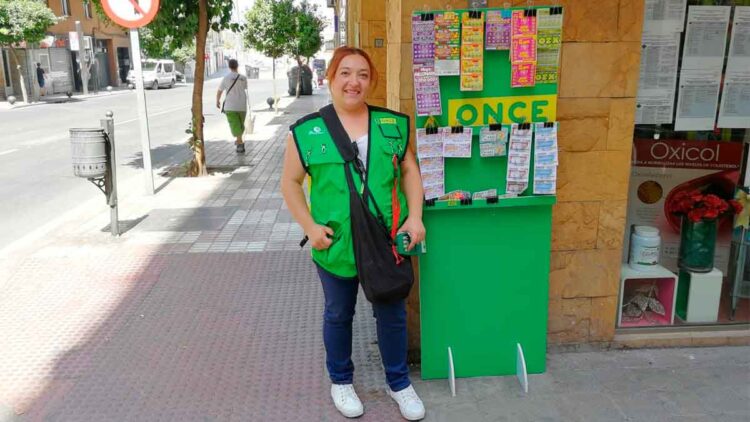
point(61, 98)
point(206, 309)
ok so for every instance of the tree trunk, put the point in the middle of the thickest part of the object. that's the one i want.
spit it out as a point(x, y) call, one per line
point(20, 75)
point(299, 76)
point(198, 165)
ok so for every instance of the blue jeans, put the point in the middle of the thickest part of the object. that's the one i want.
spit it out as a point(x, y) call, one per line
point(340, 300)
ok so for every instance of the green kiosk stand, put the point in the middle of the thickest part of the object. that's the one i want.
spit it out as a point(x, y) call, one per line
point(484, 281)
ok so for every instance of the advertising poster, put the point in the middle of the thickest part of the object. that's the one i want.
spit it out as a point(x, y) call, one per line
point(663, 168)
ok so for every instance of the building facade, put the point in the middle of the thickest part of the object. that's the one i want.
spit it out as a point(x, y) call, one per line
point(107, 55)
point(598, 84)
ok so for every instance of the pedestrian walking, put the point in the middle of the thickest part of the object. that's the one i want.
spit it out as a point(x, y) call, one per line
point(234, 88)
point(40, 79)
point(387, 172)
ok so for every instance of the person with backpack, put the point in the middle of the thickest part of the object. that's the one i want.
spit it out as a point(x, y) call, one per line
point(235, 103)
point(365, 188)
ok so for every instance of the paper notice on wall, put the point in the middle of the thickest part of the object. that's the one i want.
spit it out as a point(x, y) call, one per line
point(705, 37)
point(739, 46)
point(497, 29)
point(662, 169)
point(447, 44)
point(698, 99)
point(423, 40)
point(734, 111)
point(664, 16)
point(658, 78)
point(456, 145)
point(427, 91)
point(493, 142)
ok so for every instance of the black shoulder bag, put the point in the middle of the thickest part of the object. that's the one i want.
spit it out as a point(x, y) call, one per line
point(225, 95)
point(385, 275)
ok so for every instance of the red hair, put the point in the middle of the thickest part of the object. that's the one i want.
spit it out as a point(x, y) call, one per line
point(344, 51)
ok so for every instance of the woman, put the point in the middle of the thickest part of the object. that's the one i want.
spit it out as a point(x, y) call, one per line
point(382, 138)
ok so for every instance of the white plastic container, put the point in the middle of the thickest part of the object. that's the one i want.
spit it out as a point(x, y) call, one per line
point(645, 243)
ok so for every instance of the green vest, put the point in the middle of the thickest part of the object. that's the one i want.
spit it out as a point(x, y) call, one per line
point(329, 192)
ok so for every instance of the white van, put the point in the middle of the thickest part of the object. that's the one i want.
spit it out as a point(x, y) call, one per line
point(156, 74)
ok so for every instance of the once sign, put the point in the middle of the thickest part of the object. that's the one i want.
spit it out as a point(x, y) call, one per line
point(131, 13)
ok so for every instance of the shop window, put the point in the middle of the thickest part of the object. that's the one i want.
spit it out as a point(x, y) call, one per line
point(691, 134)
point(65, 7)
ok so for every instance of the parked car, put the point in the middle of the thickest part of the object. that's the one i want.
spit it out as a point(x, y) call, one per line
point(179, 76)
point(156, 74)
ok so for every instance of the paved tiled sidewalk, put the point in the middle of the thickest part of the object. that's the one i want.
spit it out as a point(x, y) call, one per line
point(207, 310)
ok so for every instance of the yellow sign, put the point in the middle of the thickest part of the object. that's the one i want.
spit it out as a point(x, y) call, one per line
point(484, 111)
point(387, 121)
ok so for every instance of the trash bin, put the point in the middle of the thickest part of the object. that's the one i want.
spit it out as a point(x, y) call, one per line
point(305, 84)
point(89, 152)
point(252, 72)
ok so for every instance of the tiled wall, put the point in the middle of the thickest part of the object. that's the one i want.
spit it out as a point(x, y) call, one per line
point(598, 82)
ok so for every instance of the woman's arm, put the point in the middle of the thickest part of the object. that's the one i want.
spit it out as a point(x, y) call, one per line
point(411, 183)
point(292, 178)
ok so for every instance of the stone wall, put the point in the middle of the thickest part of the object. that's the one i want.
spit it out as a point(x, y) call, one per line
point(367, 26)
point(598, 82)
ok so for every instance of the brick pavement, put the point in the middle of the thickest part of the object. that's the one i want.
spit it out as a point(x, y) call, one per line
point(207, 310)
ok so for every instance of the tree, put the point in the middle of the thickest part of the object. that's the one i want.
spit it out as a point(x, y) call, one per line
point(164, 48)
point(177, 24)
point(23, 21)
point(308, 39)
point(270, 28)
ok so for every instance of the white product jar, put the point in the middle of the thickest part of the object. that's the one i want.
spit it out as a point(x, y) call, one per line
point(644, 248)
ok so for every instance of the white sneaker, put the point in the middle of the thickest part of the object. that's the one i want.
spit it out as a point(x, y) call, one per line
point(409, 404)
point(346, 401)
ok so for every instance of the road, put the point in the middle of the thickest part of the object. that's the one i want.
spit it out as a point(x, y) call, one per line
point(36, 179)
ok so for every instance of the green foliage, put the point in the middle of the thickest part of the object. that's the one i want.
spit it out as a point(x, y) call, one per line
point(24, 20)
point(309, 27)
point(176, 25)
point(271, 27)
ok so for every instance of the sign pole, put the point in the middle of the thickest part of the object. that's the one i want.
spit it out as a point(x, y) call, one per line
point(135, 45)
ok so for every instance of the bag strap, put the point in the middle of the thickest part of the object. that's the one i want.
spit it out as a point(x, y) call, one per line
point(346, 149)
point(232, 86)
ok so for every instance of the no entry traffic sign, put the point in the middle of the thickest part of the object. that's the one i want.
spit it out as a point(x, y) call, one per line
point(131, 13)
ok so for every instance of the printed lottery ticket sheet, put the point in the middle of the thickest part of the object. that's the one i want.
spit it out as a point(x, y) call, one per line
point(423, 41)
point(493, 143)
point(545, 159)
point(447, 44)
point(519, 160)
point(472, 53)
point(456, 145)
point(427, 91)
point(497, 29)
point(431, 163)
point(523, 49)
point(549, 39)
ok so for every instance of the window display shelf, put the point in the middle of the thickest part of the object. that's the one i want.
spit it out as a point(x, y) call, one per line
point(666, 284)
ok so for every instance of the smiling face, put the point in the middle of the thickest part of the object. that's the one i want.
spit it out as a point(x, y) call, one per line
point(351, 83)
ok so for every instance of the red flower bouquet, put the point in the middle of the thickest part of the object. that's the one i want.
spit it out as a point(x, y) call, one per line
point(697, 206)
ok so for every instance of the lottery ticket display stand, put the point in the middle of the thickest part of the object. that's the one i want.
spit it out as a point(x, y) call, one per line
point(484, 281)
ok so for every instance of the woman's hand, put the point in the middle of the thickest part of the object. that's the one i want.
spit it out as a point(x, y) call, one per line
point(320, 237)
point(416, 231)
